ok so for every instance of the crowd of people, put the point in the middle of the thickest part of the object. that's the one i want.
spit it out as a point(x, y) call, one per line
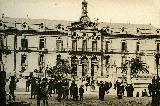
point(41, 89)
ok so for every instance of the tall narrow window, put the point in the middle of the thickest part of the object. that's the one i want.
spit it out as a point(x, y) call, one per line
point(74, 45)
point(24, 43)
point(94, 45)
point(92, 69)
point(59, 44)
point(23, 59)
point(123, 61)
point(107, 46)
point(74, 65)
point(41, 43)
point(137, 46)
point(84, 45)
point(158, 45)
point(124, 46)
point(0, 56)
point(1, 42)
point(23, 62)
point(84, 69)
point(84, 61)
point(41, 61)
point(107, 60)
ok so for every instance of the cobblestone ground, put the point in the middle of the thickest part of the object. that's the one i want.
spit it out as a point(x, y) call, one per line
point(92, 100)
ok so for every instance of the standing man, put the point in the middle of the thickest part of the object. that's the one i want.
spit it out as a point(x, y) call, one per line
point(27, 84)
point(81, 91)
point(39, 91)
point(72, 89)
point(33, 87)
point(12, 87)
point(75, 93)
point(50, 86)
point(129, 90)
point(44, 93)
point(101, 91)
point(59, 90)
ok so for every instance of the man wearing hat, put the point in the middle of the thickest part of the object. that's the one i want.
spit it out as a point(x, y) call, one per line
point(81, 91)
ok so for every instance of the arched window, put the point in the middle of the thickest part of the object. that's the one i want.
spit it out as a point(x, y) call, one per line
point(74, 45)
point(94, 45)
point(74, 65)
point(84, 61)
point(93, 62)
point(84, 45)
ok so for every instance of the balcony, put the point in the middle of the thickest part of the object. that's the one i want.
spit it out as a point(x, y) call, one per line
point(88, 51)
point(63, 50)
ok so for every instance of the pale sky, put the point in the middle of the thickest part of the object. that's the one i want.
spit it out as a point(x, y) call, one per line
point(115, 11)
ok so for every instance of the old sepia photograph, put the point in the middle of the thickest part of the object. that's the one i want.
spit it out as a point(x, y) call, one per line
point(79, 52)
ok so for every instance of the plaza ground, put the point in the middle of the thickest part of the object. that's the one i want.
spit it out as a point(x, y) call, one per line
point(91, 100)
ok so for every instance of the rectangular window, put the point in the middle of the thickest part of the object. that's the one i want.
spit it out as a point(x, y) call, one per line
point(74, 45)
point(0, 56)
point(84, 69)
point(41, 59)
point(137, 46)
point(107, 60)
point(1, 42)
point(84, 45)
point(59, 44)
point(123, 61)
point(107, 46)
point(24, 43)
point(124, 46)
point(92, 69)
point(23, 59)
point(158, 45)
point(94, 45)
point(41, 43)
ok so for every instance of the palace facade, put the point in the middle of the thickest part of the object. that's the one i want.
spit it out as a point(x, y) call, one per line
point(101, 50)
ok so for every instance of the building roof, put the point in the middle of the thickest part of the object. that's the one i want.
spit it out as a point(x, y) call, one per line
point(111, 28)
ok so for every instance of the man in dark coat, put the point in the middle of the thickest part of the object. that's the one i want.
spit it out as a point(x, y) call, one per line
point(130, 90)
point(81, 91)
point(106, 85)
point(39, 91)
point(101, 91)
point(75, 93)
point(66, 92)
point(50, 86)
point(72, 89)
point(12, 87)
point(59, 90)
point(44, 92)
point(33, 87)
point(27, 85)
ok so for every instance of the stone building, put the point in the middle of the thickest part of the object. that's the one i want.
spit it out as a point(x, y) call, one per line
point(101, 50)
